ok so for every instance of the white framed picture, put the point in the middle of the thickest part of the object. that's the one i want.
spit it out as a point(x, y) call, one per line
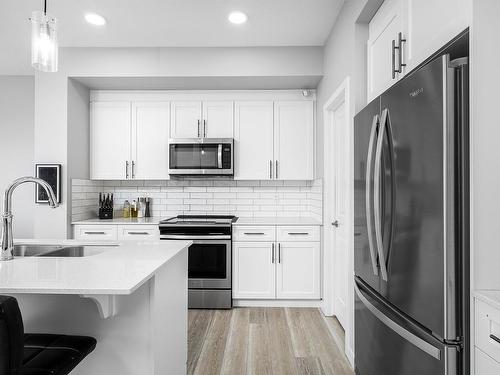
point(50, 173)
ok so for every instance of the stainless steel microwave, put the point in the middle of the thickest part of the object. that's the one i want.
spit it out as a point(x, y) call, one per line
point(201, 156)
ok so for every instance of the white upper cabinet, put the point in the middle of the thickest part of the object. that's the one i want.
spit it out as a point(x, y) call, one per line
point(298, 270)
point(109, 140)
point(253, 141)
point(430, 24)
point(186, 119)
point(150, 132)
point(382, 57)
point(218, 118)
point(403, 33)
point(294, 140)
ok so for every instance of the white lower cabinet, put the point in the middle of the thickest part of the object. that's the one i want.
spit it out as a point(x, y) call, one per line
point(484, 364)
point(115, 232)
point(298, 270)
point(254, 272)
point(286, 270)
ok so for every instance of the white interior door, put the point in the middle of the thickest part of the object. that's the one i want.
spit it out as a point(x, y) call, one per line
point(340, 222)
point(109, 140)
point(294, 140)
point(186, 119)
point(253, 141)
point(218, 118)
point(150, 126)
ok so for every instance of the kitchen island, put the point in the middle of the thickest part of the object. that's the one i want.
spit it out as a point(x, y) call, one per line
point(130, 296)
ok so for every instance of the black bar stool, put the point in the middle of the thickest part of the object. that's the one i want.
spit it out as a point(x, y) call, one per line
point(36, 354)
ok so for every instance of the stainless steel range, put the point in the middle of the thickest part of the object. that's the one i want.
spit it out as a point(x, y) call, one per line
point(209, 257)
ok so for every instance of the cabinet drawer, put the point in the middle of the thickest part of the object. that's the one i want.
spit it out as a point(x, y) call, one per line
point(488, 329)
point(294, 233)
point(138, 232)
point(96, 232)
point(484, 364)
point(254, 233)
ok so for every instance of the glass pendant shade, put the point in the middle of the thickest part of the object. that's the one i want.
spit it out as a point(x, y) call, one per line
point(44, 47)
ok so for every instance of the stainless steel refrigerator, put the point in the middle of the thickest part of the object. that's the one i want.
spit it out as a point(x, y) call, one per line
point(411, 225)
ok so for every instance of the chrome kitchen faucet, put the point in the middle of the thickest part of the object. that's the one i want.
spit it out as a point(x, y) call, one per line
point(6, 252)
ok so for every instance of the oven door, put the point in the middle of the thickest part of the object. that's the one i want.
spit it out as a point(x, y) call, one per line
point(209, 264)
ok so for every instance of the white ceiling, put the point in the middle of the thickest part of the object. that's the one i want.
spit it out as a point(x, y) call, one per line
point(169, 23)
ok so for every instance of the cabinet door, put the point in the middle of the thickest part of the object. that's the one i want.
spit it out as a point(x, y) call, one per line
point(254, 272)
point(383, 29)
point(253, 141)
point(484, 364)
point(430, 24)
point(293, 140)
point(186, 119)
point(150, 126)
point(218, 118)
point(298, 270)
point(106, 232)
point(109, 140)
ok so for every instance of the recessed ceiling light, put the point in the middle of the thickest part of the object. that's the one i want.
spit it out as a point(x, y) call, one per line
point(237, 18)
point(95, 19)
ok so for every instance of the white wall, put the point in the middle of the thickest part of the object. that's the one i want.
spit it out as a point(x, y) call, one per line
point(16, 153)
point(485, 129)
point(52, 116)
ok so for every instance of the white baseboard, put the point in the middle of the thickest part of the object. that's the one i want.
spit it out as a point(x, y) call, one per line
point(275, 303)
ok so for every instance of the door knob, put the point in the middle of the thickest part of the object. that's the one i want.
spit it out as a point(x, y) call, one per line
point(336, 223)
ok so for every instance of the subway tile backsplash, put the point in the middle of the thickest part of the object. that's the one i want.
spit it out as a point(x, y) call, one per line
point(174, 197)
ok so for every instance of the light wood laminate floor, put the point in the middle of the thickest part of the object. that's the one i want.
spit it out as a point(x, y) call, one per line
point(260, 341)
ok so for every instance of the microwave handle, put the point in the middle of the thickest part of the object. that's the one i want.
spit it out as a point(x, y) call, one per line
point(219, 156)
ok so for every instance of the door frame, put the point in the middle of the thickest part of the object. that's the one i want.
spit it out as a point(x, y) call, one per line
point(341, 96)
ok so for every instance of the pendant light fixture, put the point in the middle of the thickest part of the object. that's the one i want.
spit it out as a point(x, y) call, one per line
point(44, 47)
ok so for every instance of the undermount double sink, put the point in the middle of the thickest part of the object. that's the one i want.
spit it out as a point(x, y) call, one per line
point(65, 251)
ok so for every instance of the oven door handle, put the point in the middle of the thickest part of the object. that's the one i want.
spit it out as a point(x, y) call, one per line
point(194, 238)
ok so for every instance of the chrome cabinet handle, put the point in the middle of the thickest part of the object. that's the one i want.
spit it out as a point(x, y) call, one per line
point(376, 195)
point(126, 169)
point(253, 233)
point(336, 223)
point(298, 233)
point(205, 128)
point(270, 169)
point(279, 252)
point(133, 169)
point(394, 71)
point(199, 130)
point(276, 169)
point(138, 233)
point(495, 338)
point(94, 232)
point(368, 200)
point(272, 253)
point(401, 40)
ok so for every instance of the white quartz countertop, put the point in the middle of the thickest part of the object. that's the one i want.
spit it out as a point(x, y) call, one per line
point(114, 268)
point(121, 220)
point(491, 297)
point(277, 221)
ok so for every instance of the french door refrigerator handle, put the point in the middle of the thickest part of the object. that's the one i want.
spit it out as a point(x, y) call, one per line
point(403, 332)
point(368, 194)
point(376, 195)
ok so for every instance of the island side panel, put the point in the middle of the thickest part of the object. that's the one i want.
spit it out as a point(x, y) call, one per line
point(169, 298)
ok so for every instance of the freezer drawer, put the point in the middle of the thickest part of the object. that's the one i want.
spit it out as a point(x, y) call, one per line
point(386, 344)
